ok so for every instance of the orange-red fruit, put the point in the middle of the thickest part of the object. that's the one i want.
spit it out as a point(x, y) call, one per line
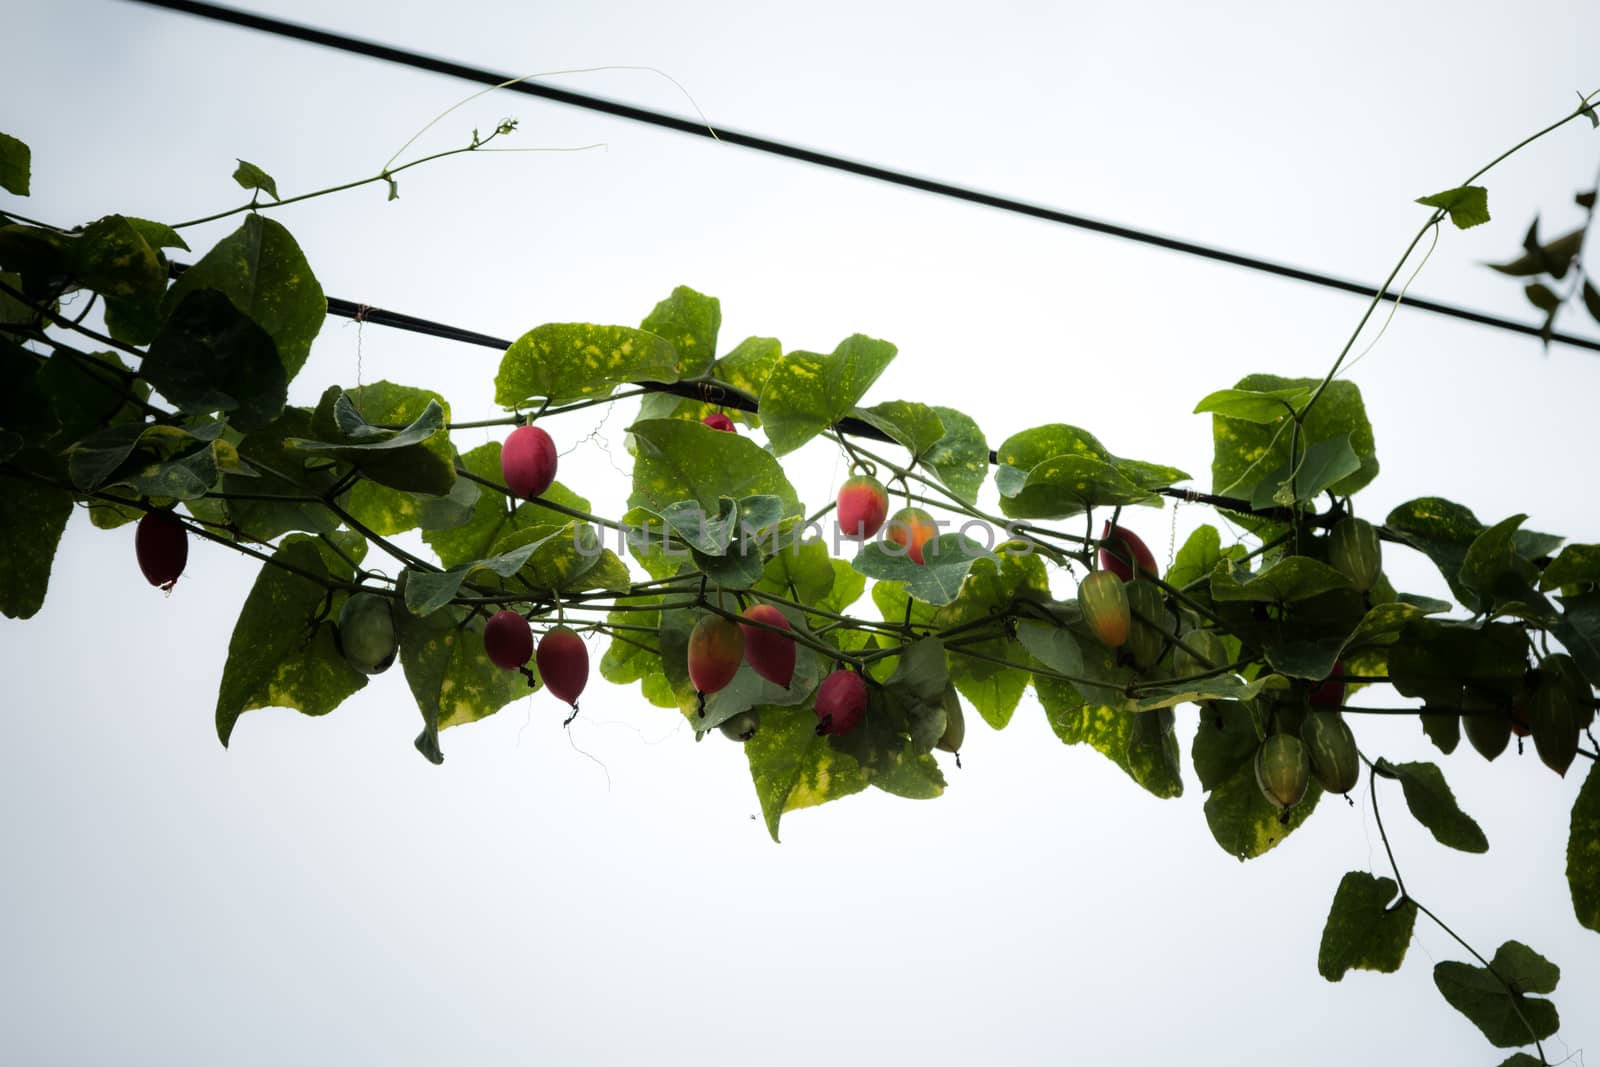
point(841, 702)
point(911, 529)
point(1330, 694)
point(528, 461)
point(563, 664)
point(1121, 552)
point(507, 640)
point(718, 421)
point(863, 505)
point(716, 648)
point(1104, 601)
point(162, 545)
point(770, 655)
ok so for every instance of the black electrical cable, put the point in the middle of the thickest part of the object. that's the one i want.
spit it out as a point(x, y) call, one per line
point(390, 54)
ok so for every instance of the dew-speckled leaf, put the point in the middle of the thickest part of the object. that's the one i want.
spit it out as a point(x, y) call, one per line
point(210, 356)
point(680, 460)
point(262, 270)
point(1367, 929)
point(250, 176)
point(491, 520)
point(794, 768)
point(915, 427)
point(450, 674)
point(1507, 1019)
point(32, 518)
point(569, 360)
point(1245, 452)
point(807, 392)
point(1287, 581)
point(16, 163)
point(937, 579)
point(280, 654)
point(1467, 205)
point(1434, 805)
point(1583, 851)
point(689, 321)
point(961, 457)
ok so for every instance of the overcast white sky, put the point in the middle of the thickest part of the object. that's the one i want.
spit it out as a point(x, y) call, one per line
point(320, 894)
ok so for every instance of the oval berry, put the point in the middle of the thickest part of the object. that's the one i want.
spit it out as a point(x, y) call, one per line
point(366, 633)
point(161, 543)
point(769, 654)
point(718, 421)
point(528, 461)
point(912, 529)
point(1123, 553)
point(841, 702)
point(716, 648)
point(508, 640)
point(863, 505)
point(563, 661)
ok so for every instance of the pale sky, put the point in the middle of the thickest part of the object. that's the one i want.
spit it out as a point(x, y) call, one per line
point(318, 893)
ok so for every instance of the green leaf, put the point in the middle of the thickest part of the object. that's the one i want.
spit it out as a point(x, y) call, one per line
point(1192, 690)
point(113, 258)
point(1255, 405)
point(1438, 661)
point(804, 571)
point(210, 357)
point(1199, 556)
point(92, 461)
point(1367, 928)
point(16, 163)
point(450, 675)
point(807, 392)
point(1225, 741)
point(1507, 1019)
point(553, 552)
point(1324, 464)
point(1291, 579)
point(1521, 1059)
point(1579, 631)
point(1591, 299)
point(961, 456)
point(680, 460)
point(32, 518)
point(262, 270)
point(1467, 205)
point(250, 176)
point(1245, 452)
point(794, 768)
point(283, 653)
point(1577, 565)
point(689, 321)
point(1554, 258)
point(1583, 851)
point(1430, 800)
point(1064, 486)
point(416, 458)
point(747, 368)
point(1143, 744)
point(1541, 296)
point(915, 427)
point(937, 579)
point(1244, 822)
point(570, 360)
point(283, 473)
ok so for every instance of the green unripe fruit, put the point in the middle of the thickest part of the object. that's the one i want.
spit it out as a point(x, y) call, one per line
point(1557, 715)
point(366, 633)
point(1487, 725)
point(1355, 552)
point(955, 723)
point(742, 727)
point(1147, 638)
point(1283, 771)
point(1212, 654)
point(1104, 601)
point(1331, 750)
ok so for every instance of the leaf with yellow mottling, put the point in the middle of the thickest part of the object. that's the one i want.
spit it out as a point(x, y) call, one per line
point(806, 392)
point(794, 768)
point(450, 674)
point(689, 320)
point(569, 360)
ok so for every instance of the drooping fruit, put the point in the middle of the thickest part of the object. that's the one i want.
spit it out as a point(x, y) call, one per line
point(563, 661)
point(366, 633)
point(718, 421)
point(161, 543)
point(1104, 600)
point(716, 648)
point(769, 654)
point(1283, 771)
point(1146, 639)
point(1355, 552)
point(912, 529)
point(1487, 725)
point(1557, 715)
point(863, 505)
point(508, 640)
point(742, 727)
point(1329, 693)
point(1331, 749)
point(955, 724)
point(1122, 553)
point(841, 702)
point(528, 461)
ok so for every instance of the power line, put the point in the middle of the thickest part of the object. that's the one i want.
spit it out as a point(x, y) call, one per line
point(372, 49)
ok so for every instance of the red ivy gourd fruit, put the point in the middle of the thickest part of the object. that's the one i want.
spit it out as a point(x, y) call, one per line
point(508, 640)
point(1104, 601)
point(912, 529)
point(769, 654)
point(563, 661)
point(1122, 553)
point(528, 461)
point(161, 543)
point(718, 421)
point(716, 648)
point(863, 505)
point(841, 702)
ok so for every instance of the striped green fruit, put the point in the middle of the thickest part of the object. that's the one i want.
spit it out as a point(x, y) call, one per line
point(1557, 716)
point(1487, 725)
point(1355, 552)
point(1331, 749)
point(955, 723)
point(1147, 640)
point(1283, 771)
point(1211, 654)
point(1104, 601)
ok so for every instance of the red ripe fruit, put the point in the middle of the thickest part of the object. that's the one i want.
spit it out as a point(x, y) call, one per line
point(528, 461)
point(1122, 552)
point(507, 640)
point(716, 648)
point(770, 655)
point(718, 421)
point(841, 702)
point(162, 544)
point(563, 664)
point(1330, 694)
point(863, 505)
point(911, 529)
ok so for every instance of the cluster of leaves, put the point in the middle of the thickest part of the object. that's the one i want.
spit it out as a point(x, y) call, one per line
point(181, 403)
point(1555, 269)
